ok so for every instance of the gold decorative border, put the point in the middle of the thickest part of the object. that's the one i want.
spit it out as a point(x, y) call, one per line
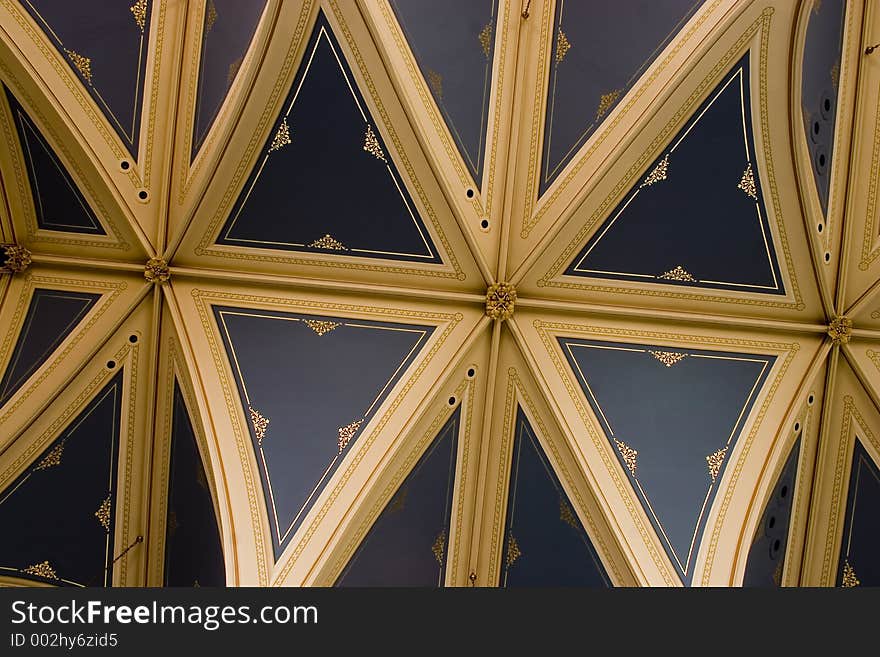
point(870, 247)
point(202, 299)
point(603, 447)
point(762, 24)
point(515, 385)
point(529, 221)
point(206, 246)
point(418, 449)
point(30, 282)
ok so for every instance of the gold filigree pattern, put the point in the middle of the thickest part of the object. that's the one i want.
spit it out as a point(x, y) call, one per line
point(16, 258)
point(485, 38)
point(232, 71)
point(714, 461)
point(328, 242)
point(103, 514)
point(668, 358)
point(321, 327)
point(43, 569)
point(835, 75)
point(53, 458)
point(82, 64)
point(840, 330)
point(658, 173)
point(563, 45)
point(629, 456)
point(777, 573)
point(566, 514)
point(513, 551)
point(849, 576)
point(435, 81)
point(139, 11)
point(261, 424)
point(157, 271)
point(347, 432)
point(439, 547)
point(281, 138)
point(606, 101)
point(372, 146)
point(747, 183)
point(210, 16)
point(678, 274)
point(500, 301)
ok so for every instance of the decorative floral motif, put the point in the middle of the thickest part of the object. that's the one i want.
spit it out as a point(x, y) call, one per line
point(435, 81)
point(629, 456)
point(500, 301)
point(715, 461)
point(42, 570)
point(53, 458)
point(372, 146)
point(260, 424)
point(82, 64)
point(605, 103)
point(156, 271)
point(513, 551)
point(17, 258)
point(103, 514)
point(439, 547)
point(328, 242)
point(678, 274)
point(485, 38)
point(840, 330)
point(747, 183)
point(563, 45)
point(139, 11)
point(566, 514)
point(849, 576)
point(281, 138)
point(658, 173)
point(668, 358)
point(347, 432)
point(210, 16)
point(319, 326)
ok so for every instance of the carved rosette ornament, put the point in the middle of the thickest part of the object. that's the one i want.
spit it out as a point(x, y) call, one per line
point(16, 259)
point(500, 300)
point(156, 271)
point(840, 330)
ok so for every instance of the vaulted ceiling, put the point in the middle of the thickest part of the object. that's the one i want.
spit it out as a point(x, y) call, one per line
point(399, 292)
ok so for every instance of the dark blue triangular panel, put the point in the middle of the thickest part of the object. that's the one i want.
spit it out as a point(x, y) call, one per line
point(767, 554)
point(105, 43)
point(51, 317)
point(819, 81)
point(859, 564)
point(545, 543)
point(454, 43)
point(672, 417)
point(60, 511)
point(193, 552)
point(697, 218)
point(409, 542)
point(308, 384)
point(227, 31)
point(325, 182)
point(600, 49)
point(58, 203)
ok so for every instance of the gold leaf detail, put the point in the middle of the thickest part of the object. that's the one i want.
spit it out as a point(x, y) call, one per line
point(103, 514)
point(500, 301)
point(53, 458)
point(82, 64)
point(347, 432)
point(139, 11)
point(840, 330)
point(232, 71)
point(777, 573)
point(210, 16)
point(715, 461)
point(629, 456)
point(16, 258)
point(42, 570)
point(439, 547)
point(563, 45)
point(328, 242)
point(658, 173)
point(435, 81)
point(566, 514)
point(678, 274)
point(320, 327)
point(282, 136)
point(835, 75)
point(486, 38)
point(849, 576)
point(371, 145)
point(668, 358)
point(605, 102)
point(260, 424)
point(157, 271)
point(747, 183)
point(513, 551)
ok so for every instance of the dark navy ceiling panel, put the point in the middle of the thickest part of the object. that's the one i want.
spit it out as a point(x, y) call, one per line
point(600, 49)
point(767, 554)
point(308, 384)
point(697, 218)
point(454, 43)
point(60, 511)
point(105, 43)
point(325, 182)
point(672, 416)
point(193, 551)
point(58, 203)
point(859, 564)
point(819, 82)
point(409, 543)
point(545, 543)
point(227, 32)
point(51, 317)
